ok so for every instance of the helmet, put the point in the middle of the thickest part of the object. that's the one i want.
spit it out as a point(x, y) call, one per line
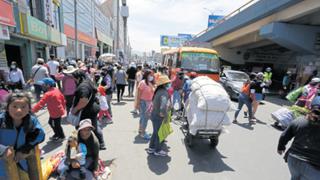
point(315, 80)
point(260, 74)
point(268, 69)
point(47, 81)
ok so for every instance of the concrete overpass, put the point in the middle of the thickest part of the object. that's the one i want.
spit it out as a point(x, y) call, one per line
point(284, 34)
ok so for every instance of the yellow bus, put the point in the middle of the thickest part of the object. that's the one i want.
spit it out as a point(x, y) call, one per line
point(203, 61)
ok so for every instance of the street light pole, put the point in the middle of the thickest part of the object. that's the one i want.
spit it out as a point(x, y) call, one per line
point(75, 29)
point(117, 34)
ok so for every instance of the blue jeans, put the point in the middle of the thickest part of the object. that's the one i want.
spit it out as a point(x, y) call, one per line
point(244, 99)
point(301, 170)
point(176, 99)
point(131, 83)
point(154, 141)
point(144, 117)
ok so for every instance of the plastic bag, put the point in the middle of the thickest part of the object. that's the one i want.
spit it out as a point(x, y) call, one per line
point(165, 129)
point(293, 95)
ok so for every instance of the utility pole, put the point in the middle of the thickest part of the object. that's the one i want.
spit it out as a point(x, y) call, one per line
point(75, 29)
point(118, 26)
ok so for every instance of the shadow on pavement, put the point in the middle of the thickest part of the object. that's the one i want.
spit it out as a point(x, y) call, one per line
point(50, 146)
point(140, 140)
point(128, 100)
point(278, 101)
point(245, 125)
point(119, 103)
point(205, 158)
point(158, 165)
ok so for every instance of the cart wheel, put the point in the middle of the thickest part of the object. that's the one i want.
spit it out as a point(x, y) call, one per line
point(214, 142)
point(189, 139)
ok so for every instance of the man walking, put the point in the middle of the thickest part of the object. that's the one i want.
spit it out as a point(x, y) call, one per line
point(39, 72)
point(303, 156)
point(53, 68)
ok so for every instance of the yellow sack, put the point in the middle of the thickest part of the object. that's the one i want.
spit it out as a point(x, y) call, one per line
point(165, 129)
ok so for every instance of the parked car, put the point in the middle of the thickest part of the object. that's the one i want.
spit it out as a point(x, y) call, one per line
point(233, 82)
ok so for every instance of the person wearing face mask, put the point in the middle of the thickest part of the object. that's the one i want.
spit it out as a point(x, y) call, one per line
point(120, 78)
point(161, 106)
point(303, 156)
point(177, 84)
point(144, 101)
point(15, 78)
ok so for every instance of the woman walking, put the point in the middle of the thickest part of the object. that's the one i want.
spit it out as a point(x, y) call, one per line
point(144, 102)
point(161, 106)
point(120, 78)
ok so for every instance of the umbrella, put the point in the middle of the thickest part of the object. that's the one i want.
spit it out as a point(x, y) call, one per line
point(107, 57)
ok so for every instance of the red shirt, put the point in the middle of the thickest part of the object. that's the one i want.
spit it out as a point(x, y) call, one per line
point(55, 102)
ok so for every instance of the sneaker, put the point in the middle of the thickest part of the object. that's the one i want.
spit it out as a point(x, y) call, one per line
point(103, 147)
point(161, 153)
point(150, 150)
point(59, 139)
point(146, 136)
point(235, 121)
point(52, 137)
point(109, 122)
point(252, 121)
point(134, 111)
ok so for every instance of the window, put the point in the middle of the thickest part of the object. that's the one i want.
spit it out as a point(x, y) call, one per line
point(56, 17)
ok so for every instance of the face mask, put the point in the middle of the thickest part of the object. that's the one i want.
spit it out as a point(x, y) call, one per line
point(150, 78)
point(13, 66)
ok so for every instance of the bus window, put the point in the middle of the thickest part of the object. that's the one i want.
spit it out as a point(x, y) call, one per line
point(169, 62)
point(200, 62)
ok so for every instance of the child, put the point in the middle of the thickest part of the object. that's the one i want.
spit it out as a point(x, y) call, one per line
point(75, 157)
point(20, 132)
point(56, 107)
point(103, 105)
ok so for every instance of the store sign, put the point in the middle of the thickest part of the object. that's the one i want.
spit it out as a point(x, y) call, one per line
point(54, 35)
point(6, 13)
point(34, 27)
point(4, 32)
point(48, 14)
point(171, 41)
point(69, 31)
point(213, 20)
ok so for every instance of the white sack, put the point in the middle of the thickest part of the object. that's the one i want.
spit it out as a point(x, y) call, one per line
point(284, 116)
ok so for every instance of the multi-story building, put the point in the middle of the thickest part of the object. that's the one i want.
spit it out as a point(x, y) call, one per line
point(30, 29)
point(93, 29)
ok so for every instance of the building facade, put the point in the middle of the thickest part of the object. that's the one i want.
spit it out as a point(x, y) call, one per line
point(30, 29)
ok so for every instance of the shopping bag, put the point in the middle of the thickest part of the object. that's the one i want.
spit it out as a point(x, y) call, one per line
point(165, 129)
point(293, 95)
point(74, 119)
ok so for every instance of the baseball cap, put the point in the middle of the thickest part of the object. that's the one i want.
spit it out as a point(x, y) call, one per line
point(47, 81)
point(85, 124)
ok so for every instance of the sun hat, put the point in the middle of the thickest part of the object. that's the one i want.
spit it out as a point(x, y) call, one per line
point(163, 79)
point(70, 69)
point(47, 81)
point(85, 124)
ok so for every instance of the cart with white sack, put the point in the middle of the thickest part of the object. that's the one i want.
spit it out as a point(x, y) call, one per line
point(206, 111)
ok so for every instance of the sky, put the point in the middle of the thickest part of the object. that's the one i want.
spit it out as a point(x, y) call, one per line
point(148, 19)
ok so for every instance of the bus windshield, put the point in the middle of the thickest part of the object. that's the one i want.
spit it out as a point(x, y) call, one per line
point(200, 62)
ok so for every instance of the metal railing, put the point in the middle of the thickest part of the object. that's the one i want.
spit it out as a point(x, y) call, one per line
point(225, 18)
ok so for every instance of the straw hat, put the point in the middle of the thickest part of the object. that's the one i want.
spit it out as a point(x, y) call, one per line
point(163, 79)
point(70, 69)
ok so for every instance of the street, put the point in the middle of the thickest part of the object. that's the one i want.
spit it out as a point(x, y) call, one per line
point(244, 152)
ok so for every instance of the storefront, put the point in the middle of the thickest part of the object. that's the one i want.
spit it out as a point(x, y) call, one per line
point(87, 45)
point(104, 43)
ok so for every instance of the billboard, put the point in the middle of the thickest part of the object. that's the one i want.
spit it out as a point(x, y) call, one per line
point(213, 19)
point(170, 41)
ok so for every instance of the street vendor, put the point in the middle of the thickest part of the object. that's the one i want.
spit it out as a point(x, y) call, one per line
point(20, 132)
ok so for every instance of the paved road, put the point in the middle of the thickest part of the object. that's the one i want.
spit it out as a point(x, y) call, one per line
point(244, 153)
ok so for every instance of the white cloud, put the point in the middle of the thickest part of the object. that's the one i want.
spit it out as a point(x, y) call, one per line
point(151, 18)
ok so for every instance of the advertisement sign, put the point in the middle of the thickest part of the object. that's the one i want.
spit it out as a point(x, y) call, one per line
point(185, 36)
point(213, 19)
point(4, 32)
point(36, 28)
point(48, 11)
point(54, 35)
point(171, 41)
point(6, 13)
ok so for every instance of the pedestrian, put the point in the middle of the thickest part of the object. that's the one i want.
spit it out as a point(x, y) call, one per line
point(104, 108)
point(69, 86)
point(303, 156)
point(15, 77)
point(20, 129)
point(161, 105)
point(246, 97)
point(53, 66)
point(308, 93)
point(177, 84)
point(107, 82)
point(131, 73)
point(139, 77)
point(84, 101)
point(56, 104)
point(187, 86)
point(39, 72)
point(286, 84)
point(120, 78)
point(75, 158)
point(144, 102)
point(267, 78)
point(257, 85)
